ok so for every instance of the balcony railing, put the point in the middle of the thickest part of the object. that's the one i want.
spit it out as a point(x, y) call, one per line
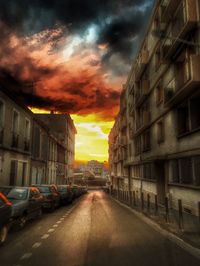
point(186, 80)
point(15, 140)
point(141, 63)
point(1, 135)
point(184, 20)
point(142, 93)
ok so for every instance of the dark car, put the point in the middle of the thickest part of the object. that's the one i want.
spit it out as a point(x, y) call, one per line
point(26, 203)
point(66, 195)
point(75, 191)
point(5, 216)
point(51, 196)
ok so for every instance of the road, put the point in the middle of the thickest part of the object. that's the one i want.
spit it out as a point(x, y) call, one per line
point(94, 231)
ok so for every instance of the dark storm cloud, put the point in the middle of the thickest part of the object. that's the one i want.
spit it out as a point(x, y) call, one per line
point(119, 24)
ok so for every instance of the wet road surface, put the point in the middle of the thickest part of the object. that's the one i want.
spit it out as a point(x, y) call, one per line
point(94, 231)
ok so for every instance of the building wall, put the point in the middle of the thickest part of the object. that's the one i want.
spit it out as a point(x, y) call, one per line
point(159, 113)
point(15, 142)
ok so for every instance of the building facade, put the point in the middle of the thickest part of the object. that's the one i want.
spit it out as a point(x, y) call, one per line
point(30, 151)
point(159, 112)
point(15, 141)
point(62, 127)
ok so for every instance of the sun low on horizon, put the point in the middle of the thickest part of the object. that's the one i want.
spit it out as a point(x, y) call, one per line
point(91, 140)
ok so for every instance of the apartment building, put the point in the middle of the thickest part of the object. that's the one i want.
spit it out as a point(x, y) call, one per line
point(62, 127)
point(15, 141)
point(161, 109)
point(30, 151)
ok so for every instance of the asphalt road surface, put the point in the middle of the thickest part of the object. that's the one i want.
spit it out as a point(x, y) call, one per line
point(94, 231)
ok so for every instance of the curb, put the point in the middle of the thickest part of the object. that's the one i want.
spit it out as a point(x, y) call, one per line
point(178, 241)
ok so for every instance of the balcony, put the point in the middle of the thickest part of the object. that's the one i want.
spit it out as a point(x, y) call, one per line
point(1, 136)
point(185, 82)
point(141, 63)
point(168, 7)
point(15, 140)
point(184, 20)
point(143, 121)
point(142, 93)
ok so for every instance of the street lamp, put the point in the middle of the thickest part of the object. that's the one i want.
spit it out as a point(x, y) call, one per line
point(161, 35)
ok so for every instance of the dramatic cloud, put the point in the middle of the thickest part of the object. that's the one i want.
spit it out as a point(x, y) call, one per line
point(70, 56)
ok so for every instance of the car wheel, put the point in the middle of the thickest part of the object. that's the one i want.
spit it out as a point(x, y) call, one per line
point(22, 221)
point(3, 234)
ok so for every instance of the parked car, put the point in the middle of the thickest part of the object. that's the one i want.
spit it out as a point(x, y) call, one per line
point(75, 191)
point(5, 217)
point(51, 196)
point(26, 203)
point(66, 195)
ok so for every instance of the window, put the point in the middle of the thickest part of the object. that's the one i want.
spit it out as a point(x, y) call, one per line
point(195, 112)
point(148, 171)
point(146, 141)
point(185, 166)
point(15, 125)
point(27, 129)
point(137, 171)
point(183, 119)
point(188, 116)
point(1, 121)
point(196, 163)
point(160, 132)
point(186, 170)
point(138, 145)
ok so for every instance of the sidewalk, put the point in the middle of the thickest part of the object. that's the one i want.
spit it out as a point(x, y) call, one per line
point(185, 226)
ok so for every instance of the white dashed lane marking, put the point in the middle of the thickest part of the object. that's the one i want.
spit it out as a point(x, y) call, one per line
point(51, 230)
point(37, 245)
point(58, 222)
point(55, 225)
point(26, 256)
point(45, 236)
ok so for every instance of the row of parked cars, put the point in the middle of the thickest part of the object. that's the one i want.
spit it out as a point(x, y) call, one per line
point(20, 204)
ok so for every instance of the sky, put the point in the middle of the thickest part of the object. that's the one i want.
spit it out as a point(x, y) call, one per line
point(72, 56)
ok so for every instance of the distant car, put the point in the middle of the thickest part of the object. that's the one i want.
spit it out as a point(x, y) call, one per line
point(66, 195)
point(51, 196)
point(5, 216)
point(26, 203)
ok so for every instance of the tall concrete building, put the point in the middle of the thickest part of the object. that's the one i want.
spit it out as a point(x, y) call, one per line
point(154, 146)
point(62, 127)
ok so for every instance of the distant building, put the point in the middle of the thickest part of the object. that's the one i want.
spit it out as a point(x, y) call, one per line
point(96, 168)
point(62, 127)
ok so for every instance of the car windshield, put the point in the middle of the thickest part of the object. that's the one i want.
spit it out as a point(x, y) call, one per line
point(44, 189)
point(17, 194)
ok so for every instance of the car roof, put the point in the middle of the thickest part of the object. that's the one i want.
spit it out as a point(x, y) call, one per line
point(14, 187)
